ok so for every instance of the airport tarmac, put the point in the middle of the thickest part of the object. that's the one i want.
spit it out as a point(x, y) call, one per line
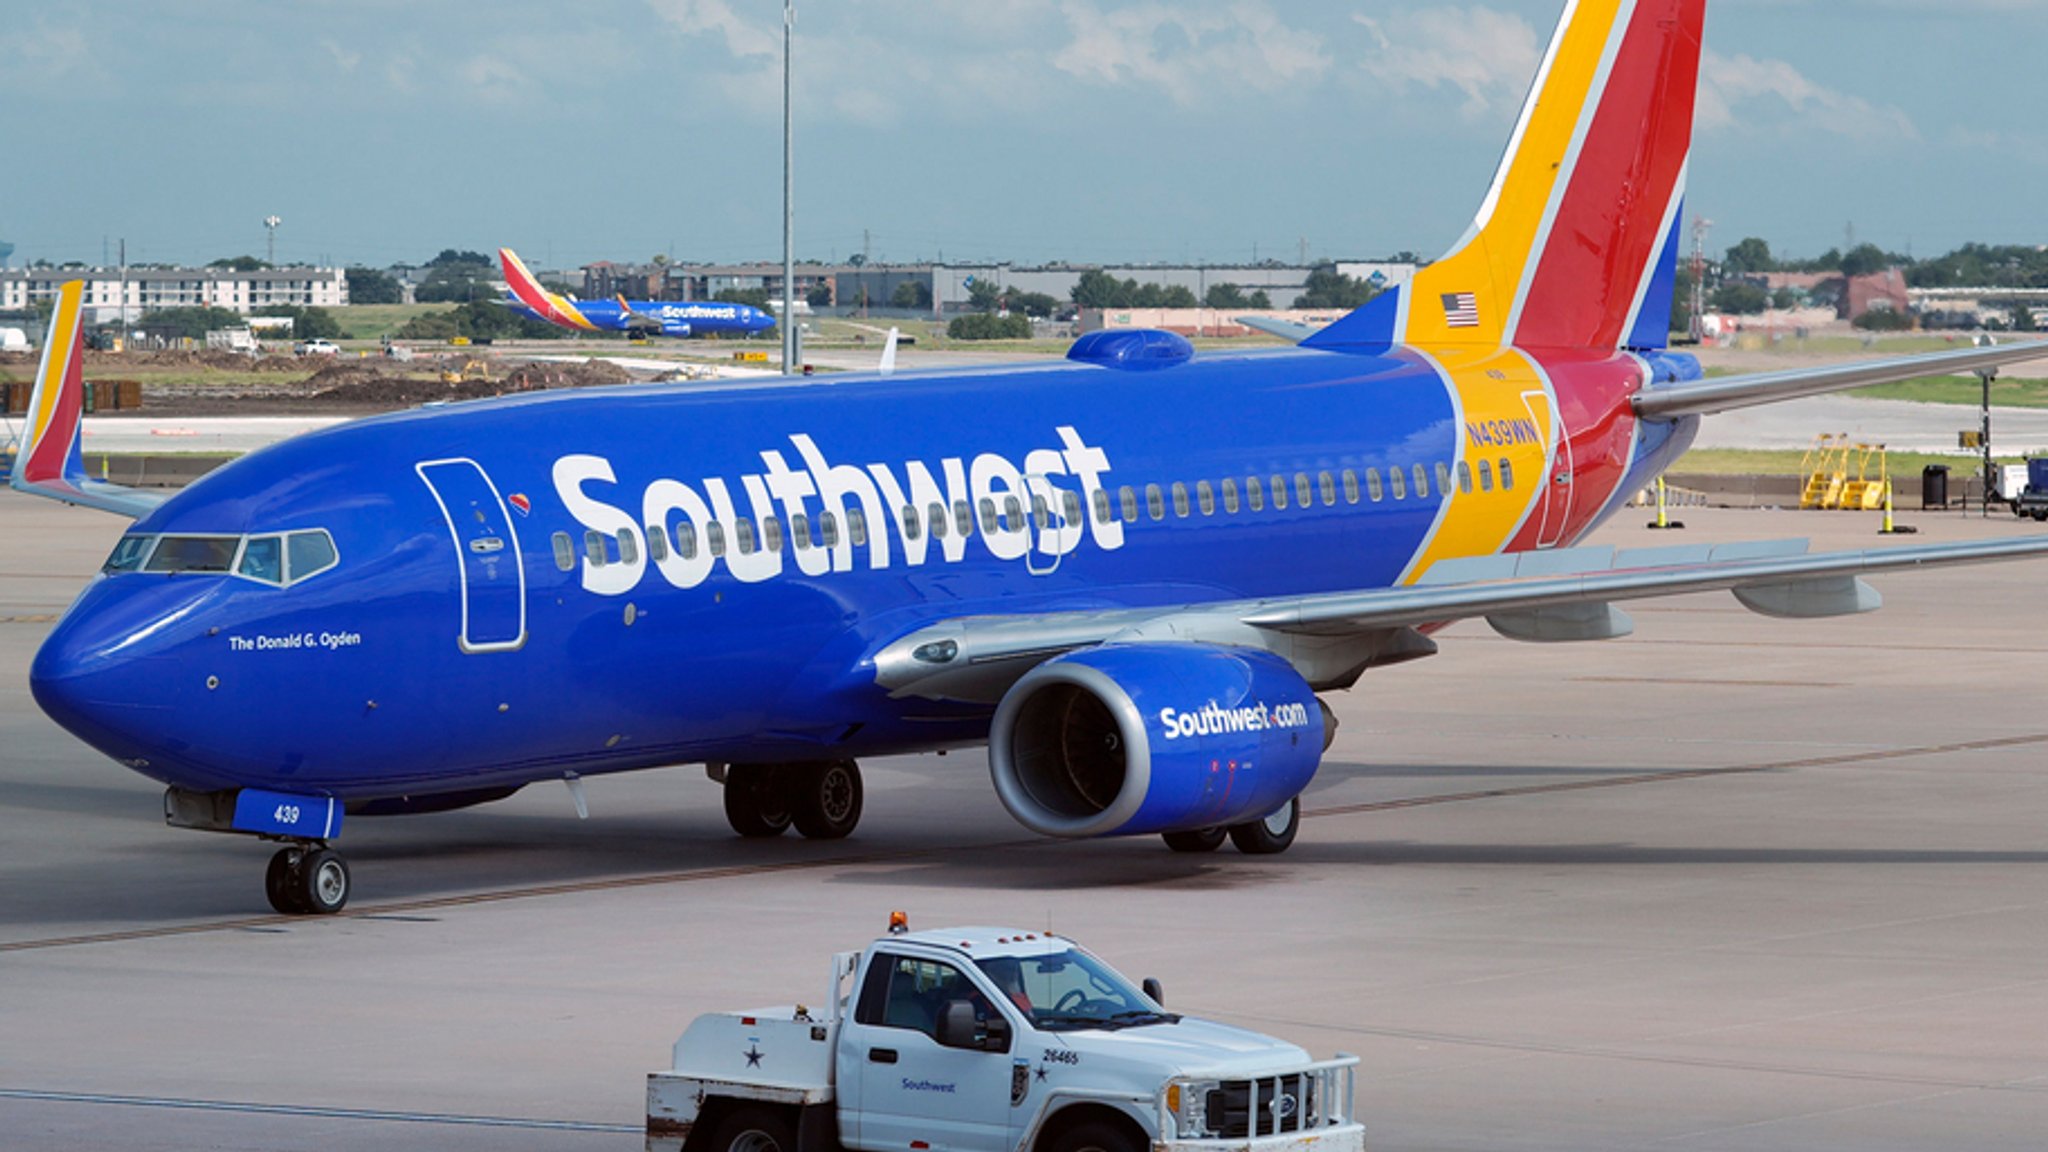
point(1731, 883)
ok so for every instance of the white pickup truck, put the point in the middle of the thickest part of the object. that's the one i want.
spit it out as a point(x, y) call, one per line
point(991, 1040)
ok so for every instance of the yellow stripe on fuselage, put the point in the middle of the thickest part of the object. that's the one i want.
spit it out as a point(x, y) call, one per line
point(1492, 263)
point(1506, 413)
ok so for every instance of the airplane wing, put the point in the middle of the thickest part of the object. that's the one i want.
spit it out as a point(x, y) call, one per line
point(1725, 393)
point(50, 462)
point(1285, 329)
point(1332, 638)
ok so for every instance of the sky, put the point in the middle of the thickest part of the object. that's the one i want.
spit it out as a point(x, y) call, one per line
point(1221, 131)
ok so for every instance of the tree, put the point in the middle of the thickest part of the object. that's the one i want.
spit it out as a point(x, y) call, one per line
point(1752, 255)
point(369, 286)
point(239, 263)
point(1179, 296)
point(983, 295)
point(1740, 298)
point(2022, 318)
point(1226, 296)
point(479, 319)
point(1784, 298)
point(1864, 259)
point(307, 323)
point(1098, 289)
point(1329, 288)
point(989, 326)
point(1259, 299)
point(450, 256)
point(914, 295)
point(820, 296)
point(1883, 320)
point(190, 323)
point(755, 297)
point(1037, 304)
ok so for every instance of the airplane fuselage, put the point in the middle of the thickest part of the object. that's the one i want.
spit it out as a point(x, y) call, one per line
point(676, 318)
point(612, 579)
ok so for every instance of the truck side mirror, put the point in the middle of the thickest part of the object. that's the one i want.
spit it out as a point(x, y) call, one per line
point(1155, 990)
point(959, 1029)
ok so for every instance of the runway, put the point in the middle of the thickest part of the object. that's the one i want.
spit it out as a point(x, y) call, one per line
point(1728, 884)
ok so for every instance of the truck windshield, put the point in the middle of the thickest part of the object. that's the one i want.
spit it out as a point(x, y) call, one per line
point(1071, 990)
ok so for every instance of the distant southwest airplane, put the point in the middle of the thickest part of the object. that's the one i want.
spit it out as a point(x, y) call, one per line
point(1129, 573)
point(639, 317)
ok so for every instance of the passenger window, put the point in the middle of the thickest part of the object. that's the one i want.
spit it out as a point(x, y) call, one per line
point(909, 522)
point(771, 533)
point(743, 535)
point(1350, 486)
point(963, 518)
point(1398, 486)
point(1421, 482)
point(686, 540)
point(308, 554)
point(1205, 497)
point(594, 549)
point(1073, 503)
point(1507, 475)
point(1013, 514)
point(1443, 478)
point(1103, 513)
point(194, 554)
point(1302, 490)
point(935, 515)
point(988, 515)
point(1129, 499)
point(263, 559)
point(1372, 485)
point(800, 531)
point(828, 527)
point(657, 543)
point(1485, 476)
point(565, 551)
point(1230, 496)
point(1279, 493)
point(629, 551)
point(857, 526)
point(128, 554)
point(714, 538)
point(1155, 502)
point(1040, 512)
point(1327, 485)
point(1255, 493)
point(1180, 499)
point(1464, 477)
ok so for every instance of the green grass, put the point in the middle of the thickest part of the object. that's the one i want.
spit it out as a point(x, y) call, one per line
point(1765, 462)
point(376, 321)
point(2005, 392)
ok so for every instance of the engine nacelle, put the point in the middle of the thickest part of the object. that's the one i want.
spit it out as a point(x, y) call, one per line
point(1127, 739)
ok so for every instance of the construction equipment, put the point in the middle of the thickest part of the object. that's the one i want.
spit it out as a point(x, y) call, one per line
point(472, 369)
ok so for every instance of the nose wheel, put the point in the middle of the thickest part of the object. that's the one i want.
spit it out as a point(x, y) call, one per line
point(307, 880)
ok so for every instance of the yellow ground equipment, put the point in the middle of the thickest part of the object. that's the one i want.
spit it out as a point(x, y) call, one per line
point(1867, 493)
point(1826, 468)
point(472, 369)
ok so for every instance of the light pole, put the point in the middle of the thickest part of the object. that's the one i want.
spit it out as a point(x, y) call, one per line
point(789, 365)
point(270, 224)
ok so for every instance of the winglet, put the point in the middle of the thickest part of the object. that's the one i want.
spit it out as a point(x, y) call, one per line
point(51, 462)
point(545, 304)
point(888, 365)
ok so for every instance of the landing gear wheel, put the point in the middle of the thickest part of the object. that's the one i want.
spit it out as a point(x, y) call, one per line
point(825, 799)
point(280, 882)
point(754, 1129)
point(755, 801)
point(1271, 835)
point(1198, 840)
point(321, 885)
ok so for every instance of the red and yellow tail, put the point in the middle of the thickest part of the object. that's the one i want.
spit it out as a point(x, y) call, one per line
point(1576, 244)
point(547, 305)
point(51, 461)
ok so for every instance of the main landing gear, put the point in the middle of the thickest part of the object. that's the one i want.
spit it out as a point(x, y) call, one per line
point(306, 879)
point(1266, 837)
point(822, 798)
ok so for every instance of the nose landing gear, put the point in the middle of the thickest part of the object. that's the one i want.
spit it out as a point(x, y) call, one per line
point(307, 879)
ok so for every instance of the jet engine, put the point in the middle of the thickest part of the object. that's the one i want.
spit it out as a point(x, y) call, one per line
point(1127, 739)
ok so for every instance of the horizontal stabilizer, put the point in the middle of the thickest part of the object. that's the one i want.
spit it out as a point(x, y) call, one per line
point(1287, 330)
point(51, 461)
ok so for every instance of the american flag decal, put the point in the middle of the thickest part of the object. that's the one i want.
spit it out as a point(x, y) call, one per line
point(1461, 309)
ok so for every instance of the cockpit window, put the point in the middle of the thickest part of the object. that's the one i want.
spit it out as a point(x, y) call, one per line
point(311, 553)
point(128, 554)
point(263, 559)
point(193, 554)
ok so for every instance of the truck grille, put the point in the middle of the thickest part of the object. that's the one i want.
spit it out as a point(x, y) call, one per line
point(1230, 1107)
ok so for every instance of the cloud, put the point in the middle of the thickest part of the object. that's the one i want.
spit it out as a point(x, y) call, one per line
point(1751, 94)
point(698, 17)
point(344, 59)
point(1488, 55)
point(1186, 52)
point(42, 54)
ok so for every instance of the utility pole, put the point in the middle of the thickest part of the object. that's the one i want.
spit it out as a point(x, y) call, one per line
point(789, 353)
point(1700, 224)
point(124, 291)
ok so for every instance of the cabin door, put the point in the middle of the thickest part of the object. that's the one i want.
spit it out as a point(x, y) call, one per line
point(493, 581)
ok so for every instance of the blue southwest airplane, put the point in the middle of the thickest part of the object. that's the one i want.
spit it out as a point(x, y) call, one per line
point(526, 296)
point(1129, 573)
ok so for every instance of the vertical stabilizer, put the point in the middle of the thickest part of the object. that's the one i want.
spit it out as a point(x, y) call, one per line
point(547, 305)
point(51, 460)
point(1574, 240)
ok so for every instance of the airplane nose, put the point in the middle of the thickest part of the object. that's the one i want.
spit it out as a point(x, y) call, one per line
point(103, 673)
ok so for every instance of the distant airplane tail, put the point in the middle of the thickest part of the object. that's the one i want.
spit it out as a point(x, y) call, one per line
point(51, 460)
point(549, 306)
point(1576, 245)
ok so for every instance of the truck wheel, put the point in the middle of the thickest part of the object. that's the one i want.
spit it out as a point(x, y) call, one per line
point(1271, 835)
point(754, 1129)
point(755, 802)
point(1091, 1136)
point(825, 799)
point(1198, 840)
